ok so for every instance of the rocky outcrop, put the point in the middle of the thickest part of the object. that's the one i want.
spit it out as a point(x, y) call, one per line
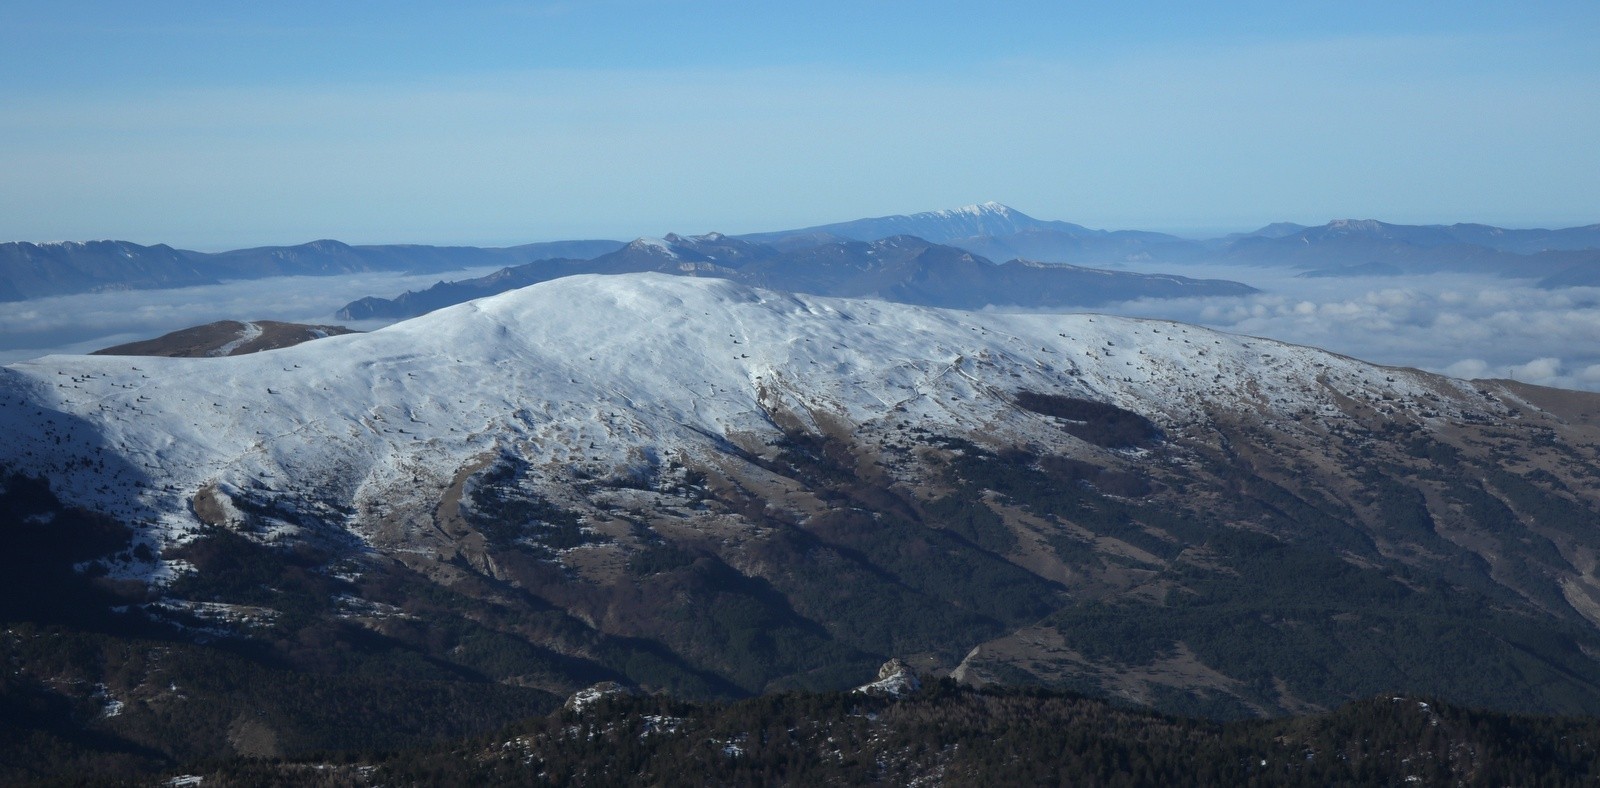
point(895, 679)
point(584, 698)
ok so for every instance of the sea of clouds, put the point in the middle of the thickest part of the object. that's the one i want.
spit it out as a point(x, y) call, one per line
point(90, 321)
point(1468, 326)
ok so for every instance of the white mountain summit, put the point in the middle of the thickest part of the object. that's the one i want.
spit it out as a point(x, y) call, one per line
point(613, 376)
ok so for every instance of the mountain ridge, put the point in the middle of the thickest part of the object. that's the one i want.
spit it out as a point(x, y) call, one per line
point(991, 230)
point(767, 490)
point(29, 270)
point(899, 268)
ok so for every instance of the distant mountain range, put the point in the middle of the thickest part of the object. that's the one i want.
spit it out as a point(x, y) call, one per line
point(1557, 258)
point(993, 230)
point(29, 270)
point(987, 220)
point(901, 268)
point(1350, 246)
point(1357, 247)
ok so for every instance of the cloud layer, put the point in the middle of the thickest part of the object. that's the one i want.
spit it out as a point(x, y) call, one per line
point(91, 321)
point(1460, 325)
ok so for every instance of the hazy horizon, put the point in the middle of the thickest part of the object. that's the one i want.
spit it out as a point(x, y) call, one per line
point(1189, 233)
point(209, 126)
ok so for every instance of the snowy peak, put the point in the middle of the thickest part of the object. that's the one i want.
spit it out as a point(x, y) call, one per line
point(364, 414)
point(975, 221)
point(692, 240)
point(1357, 227)
point(979, 210)
point(980, 220)
point(710, 253)
point(659, 247)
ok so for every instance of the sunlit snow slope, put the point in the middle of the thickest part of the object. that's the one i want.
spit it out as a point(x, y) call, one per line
point(607, 372)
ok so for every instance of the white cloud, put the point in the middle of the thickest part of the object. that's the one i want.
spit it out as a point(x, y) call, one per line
point(1468, 368)
point(1469, 326)
point(1539, 369)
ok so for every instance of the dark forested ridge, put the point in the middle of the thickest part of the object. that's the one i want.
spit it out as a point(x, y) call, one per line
point(952, 735)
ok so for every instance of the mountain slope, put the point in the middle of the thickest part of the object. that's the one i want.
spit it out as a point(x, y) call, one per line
point(326, 257)
point(225, 338)
point(1354, 245)
point(442, 294)
point(30, 270)
point(697, 485)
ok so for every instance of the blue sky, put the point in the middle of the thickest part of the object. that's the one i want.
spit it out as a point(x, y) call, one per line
point(215, 124)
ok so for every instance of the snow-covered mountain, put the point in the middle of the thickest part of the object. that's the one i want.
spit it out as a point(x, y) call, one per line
point(998, 232)
point(779, 490)
point(991, 230)
point(679, 368)
point(942, 226)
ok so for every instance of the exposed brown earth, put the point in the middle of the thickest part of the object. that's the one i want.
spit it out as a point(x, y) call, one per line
point(225, 338)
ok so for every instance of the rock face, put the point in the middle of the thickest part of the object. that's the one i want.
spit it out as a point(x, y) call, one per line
point(895, 679)
point(584, 698)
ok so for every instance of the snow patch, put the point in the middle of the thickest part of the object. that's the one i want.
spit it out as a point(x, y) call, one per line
point(249, 333)
point(584, 698)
